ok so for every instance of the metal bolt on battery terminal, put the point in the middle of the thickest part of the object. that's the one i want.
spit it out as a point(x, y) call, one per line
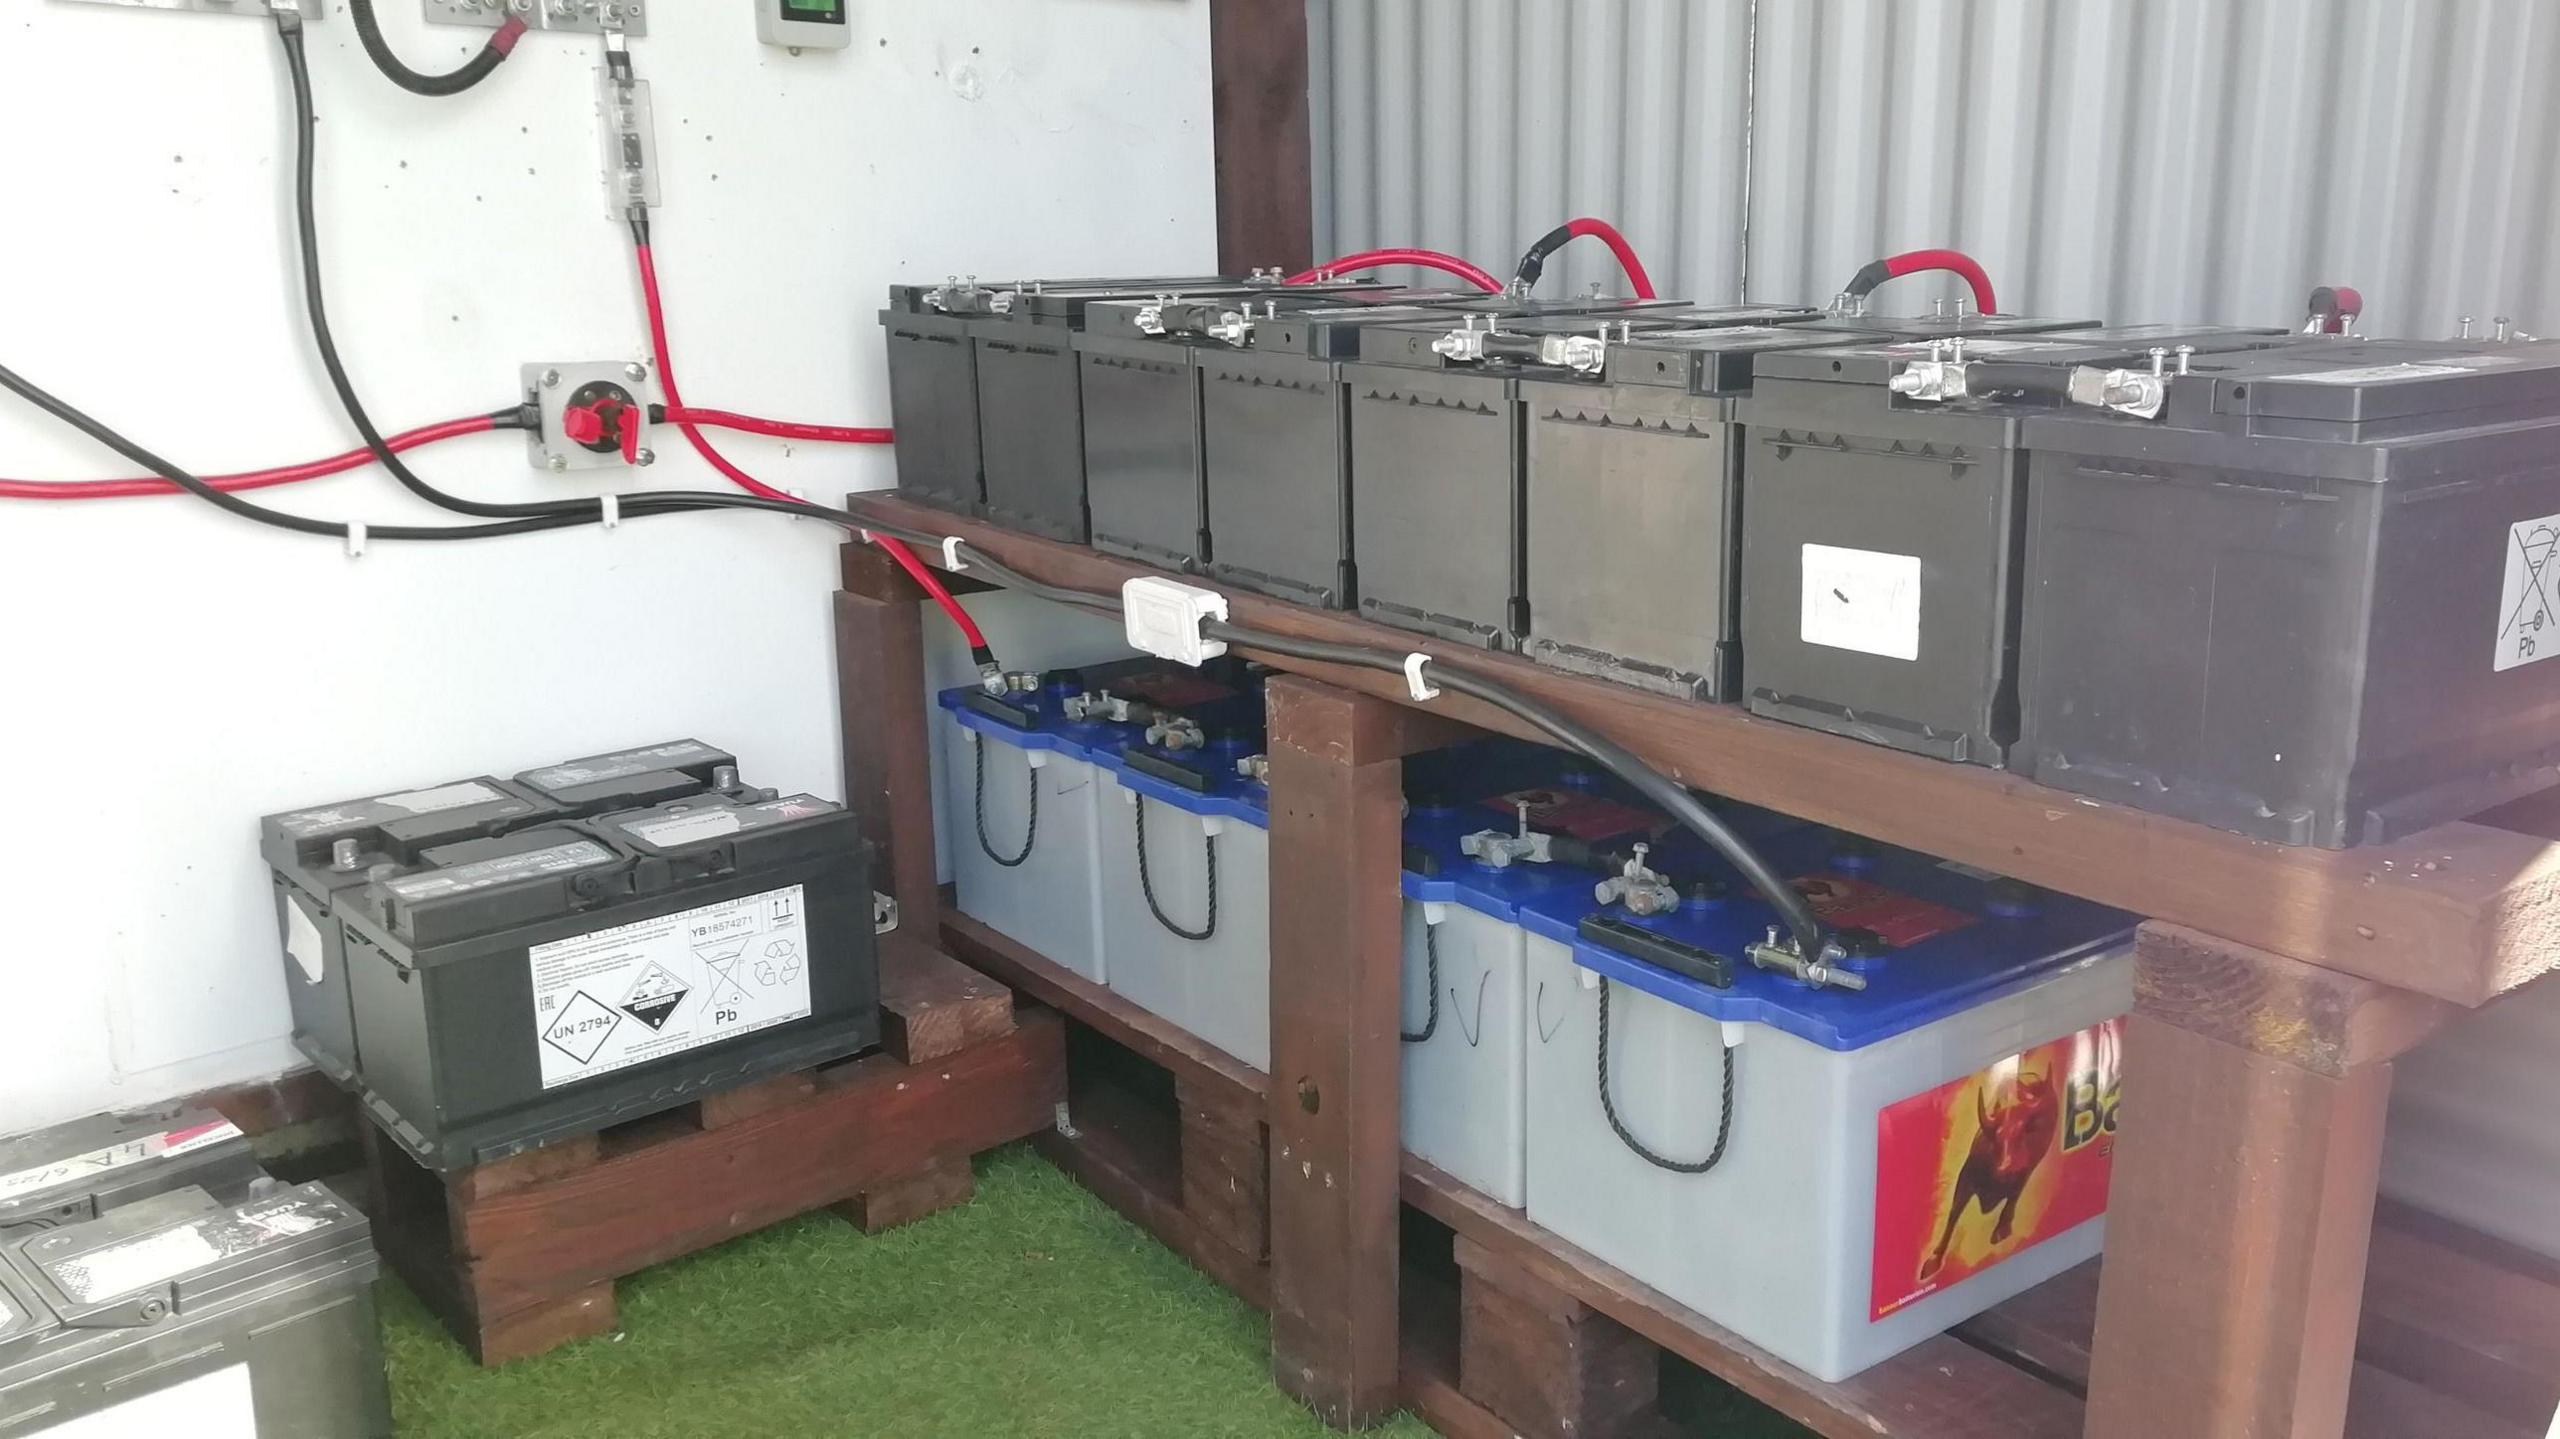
point(1493, 847)
point(1255, 767)
point(1177, 732)
point(1639, 888)
point(1783, 954)
point(1104, 705)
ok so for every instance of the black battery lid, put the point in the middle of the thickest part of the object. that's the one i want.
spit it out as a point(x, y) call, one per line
point(1046, 304)
point(473, 865)
point(2355, 383)
point(690, 827)
point(25, 1322)
point(66, 1164)
point(1967, 323)
point(1333, 333)
point(1877, 361)
point(1706, 359)
point(137, 1266)
point(626, 779)
point(396, 826)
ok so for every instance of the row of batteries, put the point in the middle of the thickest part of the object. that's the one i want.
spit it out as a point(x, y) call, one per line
point(2296, 586)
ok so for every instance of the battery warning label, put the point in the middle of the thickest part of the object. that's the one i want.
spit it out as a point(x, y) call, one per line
point(2529, 601)
point(656, 987)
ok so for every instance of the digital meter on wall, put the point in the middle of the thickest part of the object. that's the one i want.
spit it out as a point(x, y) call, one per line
point(804, 24)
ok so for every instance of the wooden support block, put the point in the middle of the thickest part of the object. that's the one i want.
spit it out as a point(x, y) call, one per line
point(2243, 1196)
point(1337, 935)
point(1541, 1359)
point(730, 1106)
point(932, 1005)
point(543, 1326)
point(1226, 1166)
point(517, 1171)
point(944, 1184)
point(888, 769)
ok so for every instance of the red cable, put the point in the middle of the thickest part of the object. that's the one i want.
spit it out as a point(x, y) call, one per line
point(1608, 235)
point(905, 557)
point(784, 429)
point(247, 480)
point(1957, 261)
point(1426, 259)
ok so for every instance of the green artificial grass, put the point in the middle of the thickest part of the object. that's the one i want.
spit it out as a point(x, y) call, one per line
point(1033, 1310)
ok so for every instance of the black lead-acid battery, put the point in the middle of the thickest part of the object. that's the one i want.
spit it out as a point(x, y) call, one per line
point(1438, 450)
point(630, 778)
point(73, 1172)
point(2313, 599)
point(190, 1313)
point(1634, 486)
point(1881, 534)
point(316, 855)
point(567, 976)
point(1276, 449)
point(1145, 483)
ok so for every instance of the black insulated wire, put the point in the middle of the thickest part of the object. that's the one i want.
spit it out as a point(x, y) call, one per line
point(1147, 885)
point(1617, 1126)
point(1030, 830)
point(1431, 1016)
point(453, 82)
point(1524, 276)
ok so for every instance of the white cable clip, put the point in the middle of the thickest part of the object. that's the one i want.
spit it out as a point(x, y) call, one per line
point(355, 539)
point(951, 554)
point(609, 509)
point(1422, 689)
point(867, 537)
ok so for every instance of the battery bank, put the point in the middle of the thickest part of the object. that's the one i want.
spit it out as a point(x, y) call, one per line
point(189, 1314)
point(563, 977)
point(2311, 599)
point(315, 856)
point(1024, 771)
point(628, 779)
point(1881, 538)
point(1635, 471)
point(75, 1171)
point(1186, 877)
point(1893, 1161)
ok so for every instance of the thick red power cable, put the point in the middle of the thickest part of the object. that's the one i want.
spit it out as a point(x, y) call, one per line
point(247, 480)
point(783, 429)
point(1964, 266)
point(1426, 259)
point(905, 557)
point(1607, 234)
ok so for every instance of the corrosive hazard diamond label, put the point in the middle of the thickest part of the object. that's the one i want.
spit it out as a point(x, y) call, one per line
point(2529, 601)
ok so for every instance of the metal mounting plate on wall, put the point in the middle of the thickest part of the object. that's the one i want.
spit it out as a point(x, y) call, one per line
point(256, 9)
point(581, 16)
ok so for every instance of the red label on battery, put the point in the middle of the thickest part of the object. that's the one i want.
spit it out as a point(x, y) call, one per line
point(1584, 816)
point(1846, 903)
point(1171, 690)
point(1980, 1168)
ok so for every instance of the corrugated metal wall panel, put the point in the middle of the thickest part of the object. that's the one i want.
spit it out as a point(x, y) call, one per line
point(2136, 159)
point(2130, 159)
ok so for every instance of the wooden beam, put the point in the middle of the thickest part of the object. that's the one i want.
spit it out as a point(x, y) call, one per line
point(1337, 937)
point(2242, 1203)
point(888, 753)
point(2464, 912)
point(1258, 103)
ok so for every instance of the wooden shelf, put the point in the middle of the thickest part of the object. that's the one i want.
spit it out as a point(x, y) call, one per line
point(2464, 912)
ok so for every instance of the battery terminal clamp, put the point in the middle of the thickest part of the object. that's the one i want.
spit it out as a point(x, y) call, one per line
point(2129, 392)
point(1493, 847)
point(1641, 889)
point(1937, 379)
point(1177, 733)
point(1102, 706)
point(1582, 354)
point(1780, 952)
point(998, 681)
point(1254, 767)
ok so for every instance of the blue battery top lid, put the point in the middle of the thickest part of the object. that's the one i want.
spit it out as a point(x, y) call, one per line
point(1049, 727)
point(1209, 782)
point(1455, 792)
point(1202, 779)
point(1952, 937)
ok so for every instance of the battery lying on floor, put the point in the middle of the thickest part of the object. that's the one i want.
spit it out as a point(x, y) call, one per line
point(75, 1171)
point(2310, 598)
point(1899, 1158)
point(189, 1314)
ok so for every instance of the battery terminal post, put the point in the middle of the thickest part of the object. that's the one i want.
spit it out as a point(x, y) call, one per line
point(1781, 952)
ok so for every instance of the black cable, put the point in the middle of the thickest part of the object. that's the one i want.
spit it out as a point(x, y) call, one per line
point(1609, 1107)
point(1431, 1022)
point(1147, 886)
point(1030, 832)
point(453, 82)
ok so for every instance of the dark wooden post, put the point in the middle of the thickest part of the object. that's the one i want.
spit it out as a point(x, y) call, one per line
point(1337, 933)
point(1258, 100)
point(888, 769)
point(2242, 1207)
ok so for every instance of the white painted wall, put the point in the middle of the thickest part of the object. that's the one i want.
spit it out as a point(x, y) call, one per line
point(167, 674)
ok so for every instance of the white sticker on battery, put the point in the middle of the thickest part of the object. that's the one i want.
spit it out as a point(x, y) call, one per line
point(1862, 600)
point(675, 829)
point(303, 943)
point(115, 1156)
point(656, 987)
point(2529, 600)
point(219, 1405)
point(124, 1268)
point(442, 797)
